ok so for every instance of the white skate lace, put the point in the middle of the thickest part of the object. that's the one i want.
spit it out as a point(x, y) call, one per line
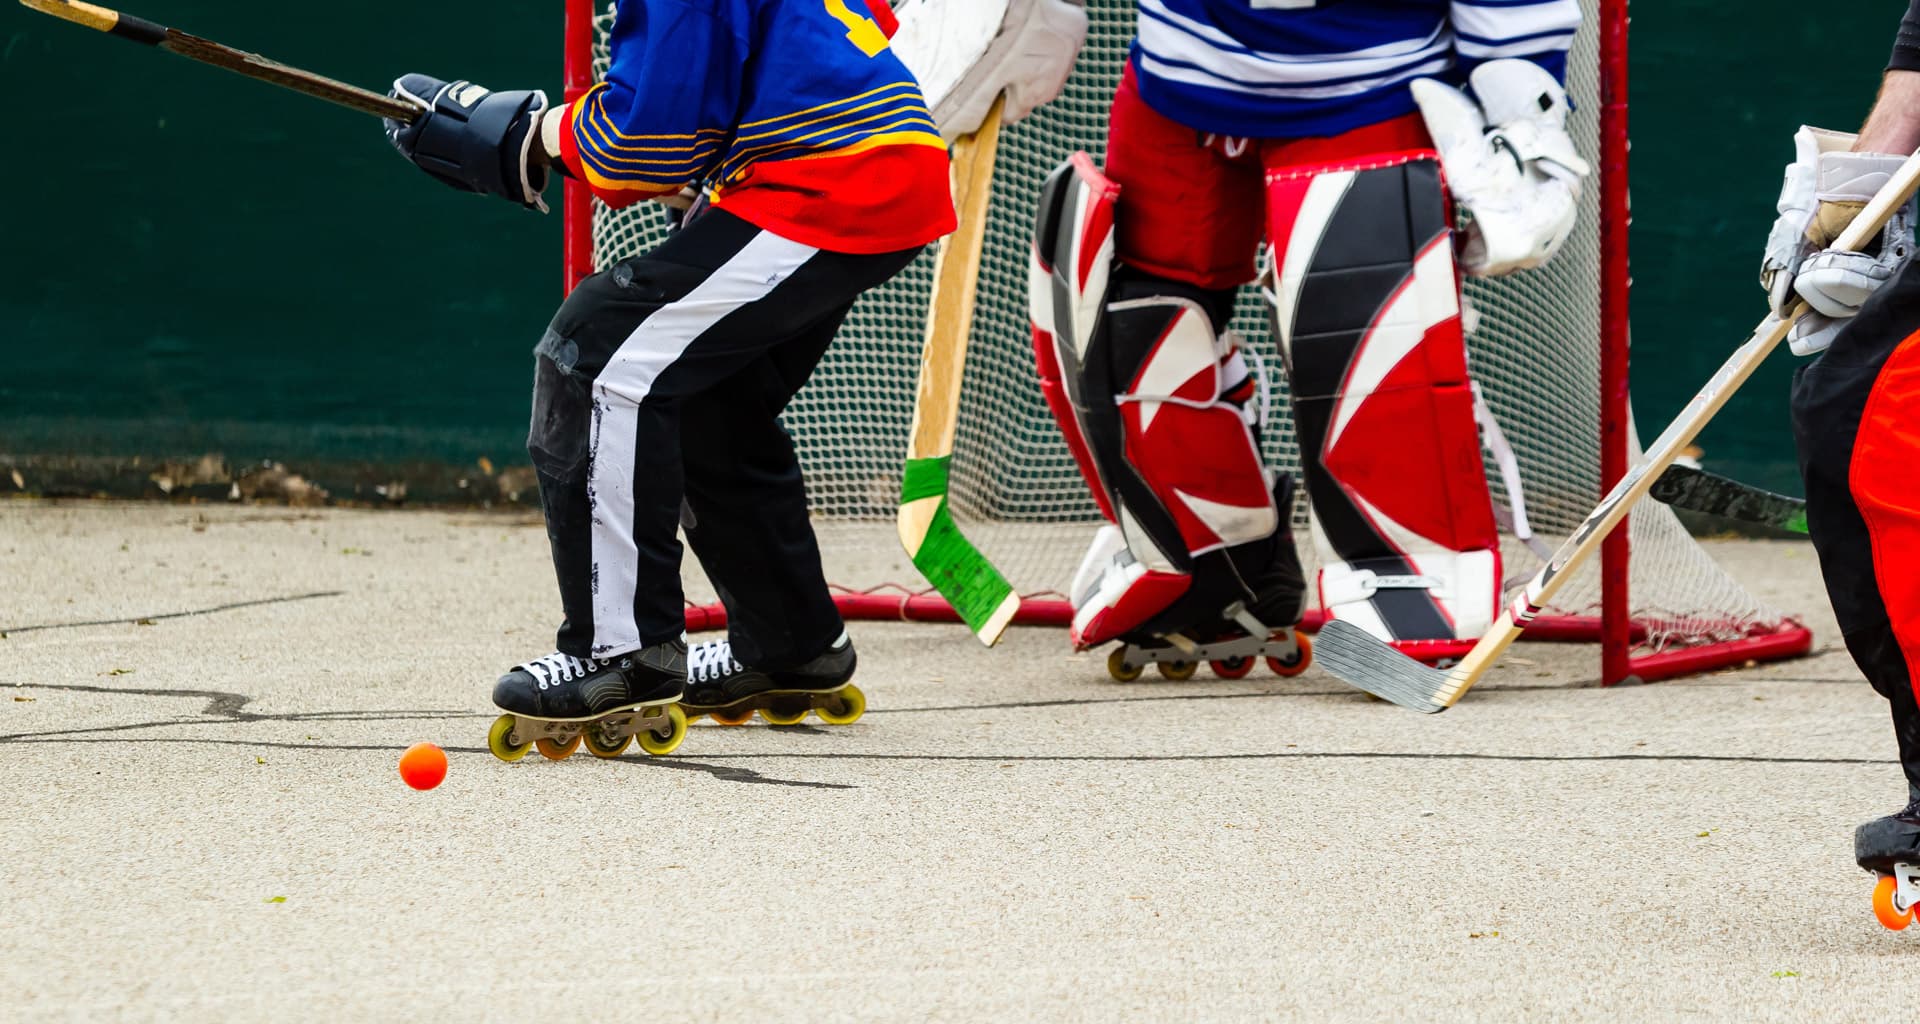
point(558, 668)
point(711, 662)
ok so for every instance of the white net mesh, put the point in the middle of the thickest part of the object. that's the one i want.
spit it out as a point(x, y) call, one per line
point(1014, 486)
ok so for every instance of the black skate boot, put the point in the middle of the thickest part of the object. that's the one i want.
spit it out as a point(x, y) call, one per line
point(728, 692)
point(559, 701)
point(1890, 848)
point(1240, 632)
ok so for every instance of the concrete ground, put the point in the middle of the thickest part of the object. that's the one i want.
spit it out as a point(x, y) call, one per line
point(201, 710)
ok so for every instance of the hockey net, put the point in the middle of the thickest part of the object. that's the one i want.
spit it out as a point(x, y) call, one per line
point(1538, 355)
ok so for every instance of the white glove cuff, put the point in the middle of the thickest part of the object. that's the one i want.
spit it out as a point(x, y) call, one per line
point(1853, 177)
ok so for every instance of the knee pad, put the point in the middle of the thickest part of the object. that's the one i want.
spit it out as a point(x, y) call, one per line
point(1366, 307)
point(1158, 407)
point(558, 434)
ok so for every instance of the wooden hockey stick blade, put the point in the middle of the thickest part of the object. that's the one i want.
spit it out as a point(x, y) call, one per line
point(956, 568)
point(252, 65)
point(1370, 664)
point(1697, 490)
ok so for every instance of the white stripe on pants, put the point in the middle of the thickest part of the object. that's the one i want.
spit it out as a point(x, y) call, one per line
point(660, 340)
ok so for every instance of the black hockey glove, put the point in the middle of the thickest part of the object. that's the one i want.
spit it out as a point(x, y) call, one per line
point(474, 140)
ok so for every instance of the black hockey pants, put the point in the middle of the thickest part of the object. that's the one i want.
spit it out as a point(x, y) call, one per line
point(659, 385)
point(1856, 417)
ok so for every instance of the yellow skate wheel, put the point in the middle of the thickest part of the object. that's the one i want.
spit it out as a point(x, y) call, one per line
point(502, 746)
point(788, 713)
point(1884, 907)
point(554, 750)
point(843, 708)
point(1178, 671)
point(1298, 663)
point(1122, 670)
point(732, 716)
point(600, 745)
point(660, 745)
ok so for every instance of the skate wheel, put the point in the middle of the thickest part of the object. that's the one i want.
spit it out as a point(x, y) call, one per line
point(662, 744)
point(554, 750)
point(499, 741)
point(1178, 671)
point(1122, 670)
point(601, 745)
point(785, 714)
point(1298, 663)
point(736, 716)
point(1232, 668)
point(1886, 908)
point(843, 708)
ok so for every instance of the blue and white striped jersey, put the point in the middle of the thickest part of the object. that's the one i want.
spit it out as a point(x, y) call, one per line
point(1302, 68)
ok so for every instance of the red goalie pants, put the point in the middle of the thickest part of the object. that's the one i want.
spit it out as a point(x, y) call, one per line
point(1196, 202)
point(1856, 416)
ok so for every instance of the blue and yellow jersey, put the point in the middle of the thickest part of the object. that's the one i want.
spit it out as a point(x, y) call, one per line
point(793, 114)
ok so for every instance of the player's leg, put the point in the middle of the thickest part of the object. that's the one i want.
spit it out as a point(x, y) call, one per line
point(1367, 313)
point(786, 650)
point(1856, 413)
point(1155, 397)
point(622, 354)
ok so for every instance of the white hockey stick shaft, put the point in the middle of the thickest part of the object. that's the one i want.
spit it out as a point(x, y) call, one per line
point(1667, 447)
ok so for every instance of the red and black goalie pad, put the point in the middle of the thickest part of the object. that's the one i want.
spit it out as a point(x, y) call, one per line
point(1139, 380)
point(1367, 312)
point(1067, 294)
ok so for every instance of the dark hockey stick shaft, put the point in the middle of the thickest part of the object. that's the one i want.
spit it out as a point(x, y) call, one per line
point(206, 51)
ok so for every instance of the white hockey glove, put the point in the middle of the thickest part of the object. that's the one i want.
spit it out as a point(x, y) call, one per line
point(1510, 164)
point(1825, 187)
point(967, 52)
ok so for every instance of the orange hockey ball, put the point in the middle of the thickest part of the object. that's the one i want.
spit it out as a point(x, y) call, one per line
point(423, 766)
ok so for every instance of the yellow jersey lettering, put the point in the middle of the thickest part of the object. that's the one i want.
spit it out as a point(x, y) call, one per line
point(861, 30)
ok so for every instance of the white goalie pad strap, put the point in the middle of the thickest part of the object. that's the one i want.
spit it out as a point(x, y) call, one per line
point(1510, 165)
point(967, 52)
point(1465, 583)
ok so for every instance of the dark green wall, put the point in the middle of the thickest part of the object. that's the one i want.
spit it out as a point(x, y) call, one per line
point(183, 246)
point(1718, 90)
point(195, 262)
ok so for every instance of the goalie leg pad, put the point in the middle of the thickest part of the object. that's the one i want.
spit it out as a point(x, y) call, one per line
point(1156, 405)
point(1367, 309)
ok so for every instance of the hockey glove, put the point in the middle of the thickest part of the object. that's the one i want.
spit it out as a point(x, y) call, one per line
point(1511, 166)
point(475, 140)
point(1826, 186)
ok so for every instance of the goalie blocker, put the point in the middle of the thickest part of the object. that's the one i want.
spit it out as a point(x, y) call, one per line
point(1162, 414)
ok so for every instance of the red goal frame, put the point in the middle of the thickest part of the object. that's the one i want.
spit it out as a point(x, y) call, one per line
point(1614, 631)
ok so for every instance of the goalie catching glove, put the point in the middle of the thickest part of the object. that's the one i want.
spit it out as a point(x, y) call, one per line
point(1826, 186)
point(473, 139)
point(967, 52)
point(1509, 161)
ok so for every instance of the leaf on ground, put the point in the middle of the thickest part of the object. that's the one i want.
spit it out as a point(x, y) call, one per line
point(143, 622)
point(275, 899)
point(23, 700)
point(257, 759)
point(1483, 935)
point(1707, 833)
point(119, 672)
point(1786, 974)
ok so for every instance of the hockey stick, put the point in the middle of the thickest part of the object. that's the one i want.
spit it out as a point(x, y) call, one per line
point(1356, 656)
point(957, 569)
point(252, 65)
point(1697, 490)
